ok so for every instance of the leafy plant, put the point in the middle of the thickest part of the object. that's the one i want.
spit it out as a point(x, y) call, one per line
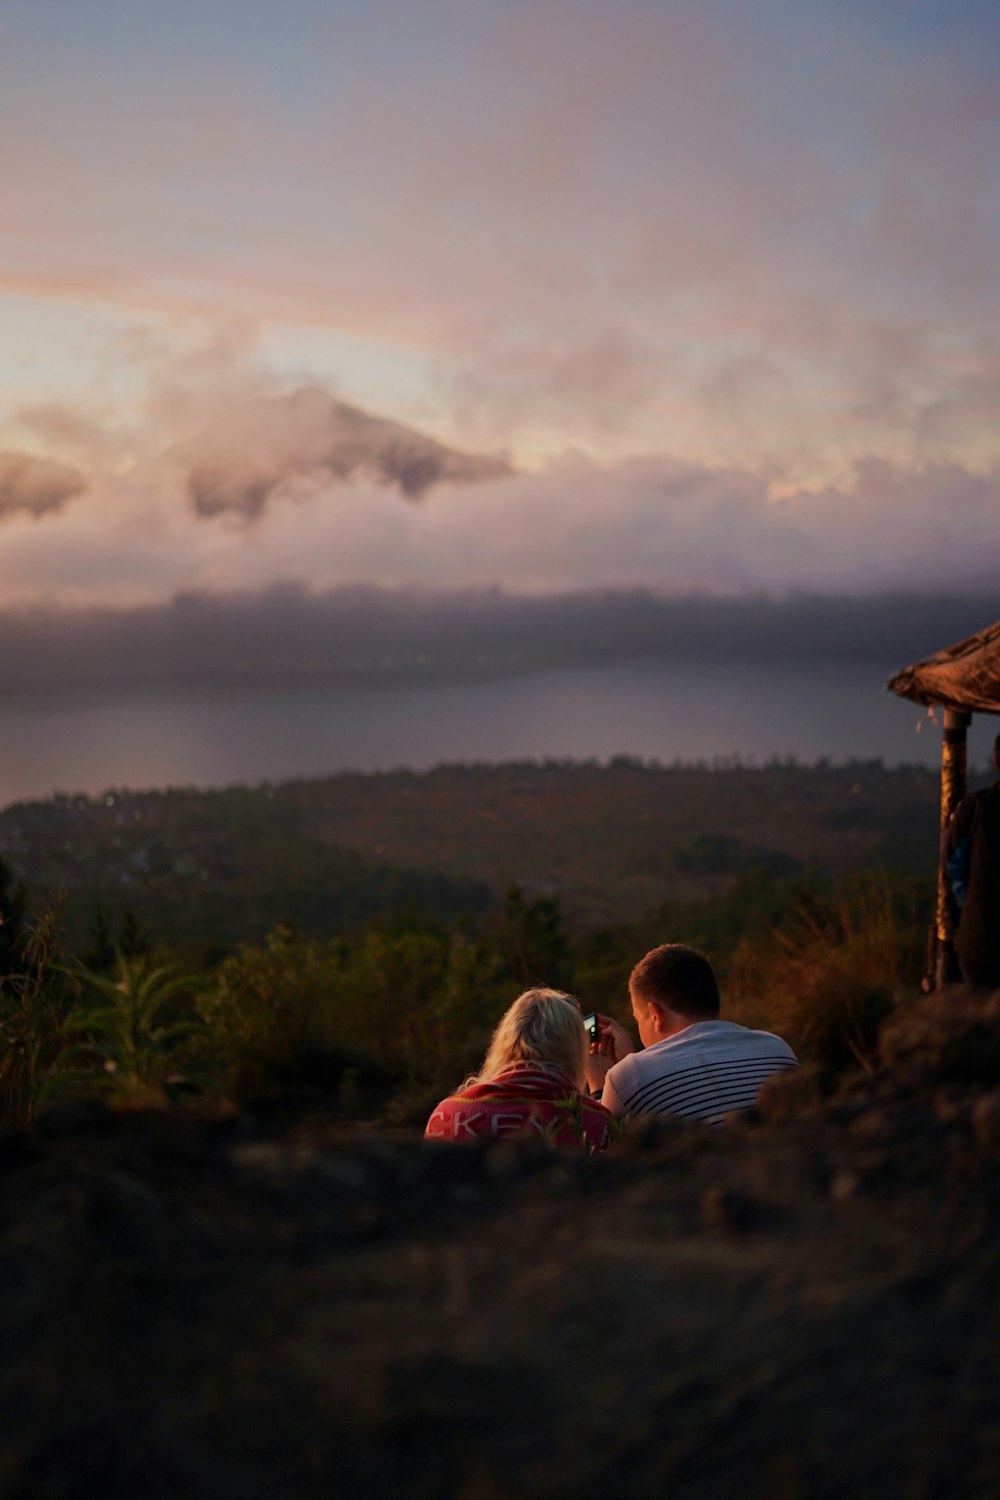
point(127, 1031)
point(572, 1107)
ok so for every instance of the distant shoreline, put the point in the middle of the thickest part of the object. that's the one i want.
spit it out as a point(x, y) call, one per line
point(88, 741)
point(720, 765)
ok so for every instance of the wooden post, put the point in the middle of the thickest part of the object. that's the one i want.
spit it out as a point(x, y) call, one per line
point(953, 784)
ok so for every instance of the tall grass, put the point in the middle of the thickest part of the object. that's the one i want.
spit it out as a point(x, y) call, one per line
point(827, 977)
point(33, 1005)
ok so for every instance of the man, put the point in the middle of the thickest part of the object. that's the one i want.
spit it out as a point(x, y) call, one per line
point(693, 1064)
point(972, 855)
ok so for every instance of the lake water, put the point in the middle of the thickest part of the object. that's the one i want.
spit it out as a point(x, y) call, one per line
point(88, 743)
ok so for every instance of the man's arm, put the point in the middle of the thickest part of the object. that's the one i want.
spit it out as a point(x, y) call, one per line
point(611, 1099)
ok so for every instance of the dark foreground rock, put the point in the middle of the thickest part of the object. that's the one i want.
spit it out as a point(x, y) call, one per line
point(802, 1305)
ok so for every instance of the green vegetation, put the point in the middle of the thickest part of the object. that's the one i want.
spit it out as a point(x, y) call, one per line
point(34, 1001)
point(123, 1033)
point(357, 987)
point(385, 1022)
point(400, 1010)
point(13, 932)
point(828, 974)
point(206, 871)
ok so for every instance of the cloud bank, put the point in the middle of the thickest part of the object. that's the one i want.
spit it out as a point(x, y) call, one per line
point(654, 522)
point(154, 525)
point(287, 636)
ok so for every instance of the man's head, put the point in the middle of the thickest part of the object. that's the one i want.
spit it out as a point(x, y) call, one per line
point(672, 987)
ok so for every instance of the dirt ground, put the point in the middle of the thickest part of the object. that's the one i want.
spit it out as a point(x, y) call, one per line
point(801, 1305)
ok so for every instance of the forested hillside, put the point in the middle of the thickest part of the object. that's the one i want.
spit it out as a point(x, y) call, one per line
point(352, 941)
point(609, 841)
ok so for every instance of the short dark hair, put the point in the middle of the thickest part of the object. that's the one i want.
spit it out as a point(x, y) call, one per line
point(679, 977)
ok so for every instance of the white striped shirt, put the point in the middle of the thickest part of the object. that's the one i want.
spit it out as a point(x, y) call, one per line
point(703, 1073)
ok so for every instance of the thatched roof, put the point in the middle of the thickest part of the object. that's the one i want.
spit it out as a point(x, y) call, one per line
point(965, 676)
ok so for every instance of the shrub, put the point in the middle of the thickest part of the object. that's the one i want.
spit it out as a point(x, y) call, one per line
point(270, 1015)
point(410, 1006)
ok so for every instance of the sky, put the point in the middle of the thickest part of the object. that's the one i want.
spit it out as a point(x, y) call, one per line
point(696, 296)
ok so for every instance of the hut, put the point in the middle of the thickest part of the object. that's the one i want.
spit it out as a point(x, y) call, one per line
point(962, 680)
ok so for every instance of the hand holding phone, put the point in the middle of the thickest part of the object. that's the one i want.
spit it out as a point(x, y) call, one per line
point(607, 1038)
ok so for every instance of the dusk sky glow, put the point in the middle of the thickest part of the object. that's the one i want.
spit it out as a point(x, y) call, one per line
point(720, 282)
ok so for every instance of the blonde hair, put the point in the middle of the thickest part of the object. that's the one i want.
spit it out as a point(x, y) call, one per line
point(542, 1026)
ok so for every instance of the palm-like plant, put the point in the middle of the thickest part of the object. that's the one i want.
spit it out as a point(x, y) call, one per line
point(127, 1034)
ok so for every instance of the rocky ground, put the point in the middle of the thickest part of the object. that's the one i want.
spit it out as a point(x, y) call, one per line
point(804, 1304)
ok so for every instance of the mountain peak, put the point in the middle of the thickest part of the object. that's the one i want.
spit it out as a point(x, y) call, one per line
point(243, 462)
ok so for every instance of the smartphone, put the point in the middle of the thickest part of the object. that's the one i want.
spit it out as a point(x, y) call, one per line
point(592, 1027)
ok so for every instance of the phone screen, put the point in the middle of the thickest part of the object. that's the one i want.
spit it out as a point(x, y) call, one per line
point(592, 1027)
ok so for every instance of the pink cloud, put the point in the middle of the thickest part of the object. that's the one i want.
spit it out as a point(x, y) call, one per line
point(666, 525)
point(36, 486)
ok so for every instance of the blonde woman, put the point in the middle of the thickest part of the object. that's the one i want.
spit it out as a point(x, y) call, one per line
point(532, 1081)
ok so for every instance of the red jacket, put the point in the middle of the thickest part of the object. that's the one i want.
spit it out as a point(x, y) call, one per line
point(524, 1098)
